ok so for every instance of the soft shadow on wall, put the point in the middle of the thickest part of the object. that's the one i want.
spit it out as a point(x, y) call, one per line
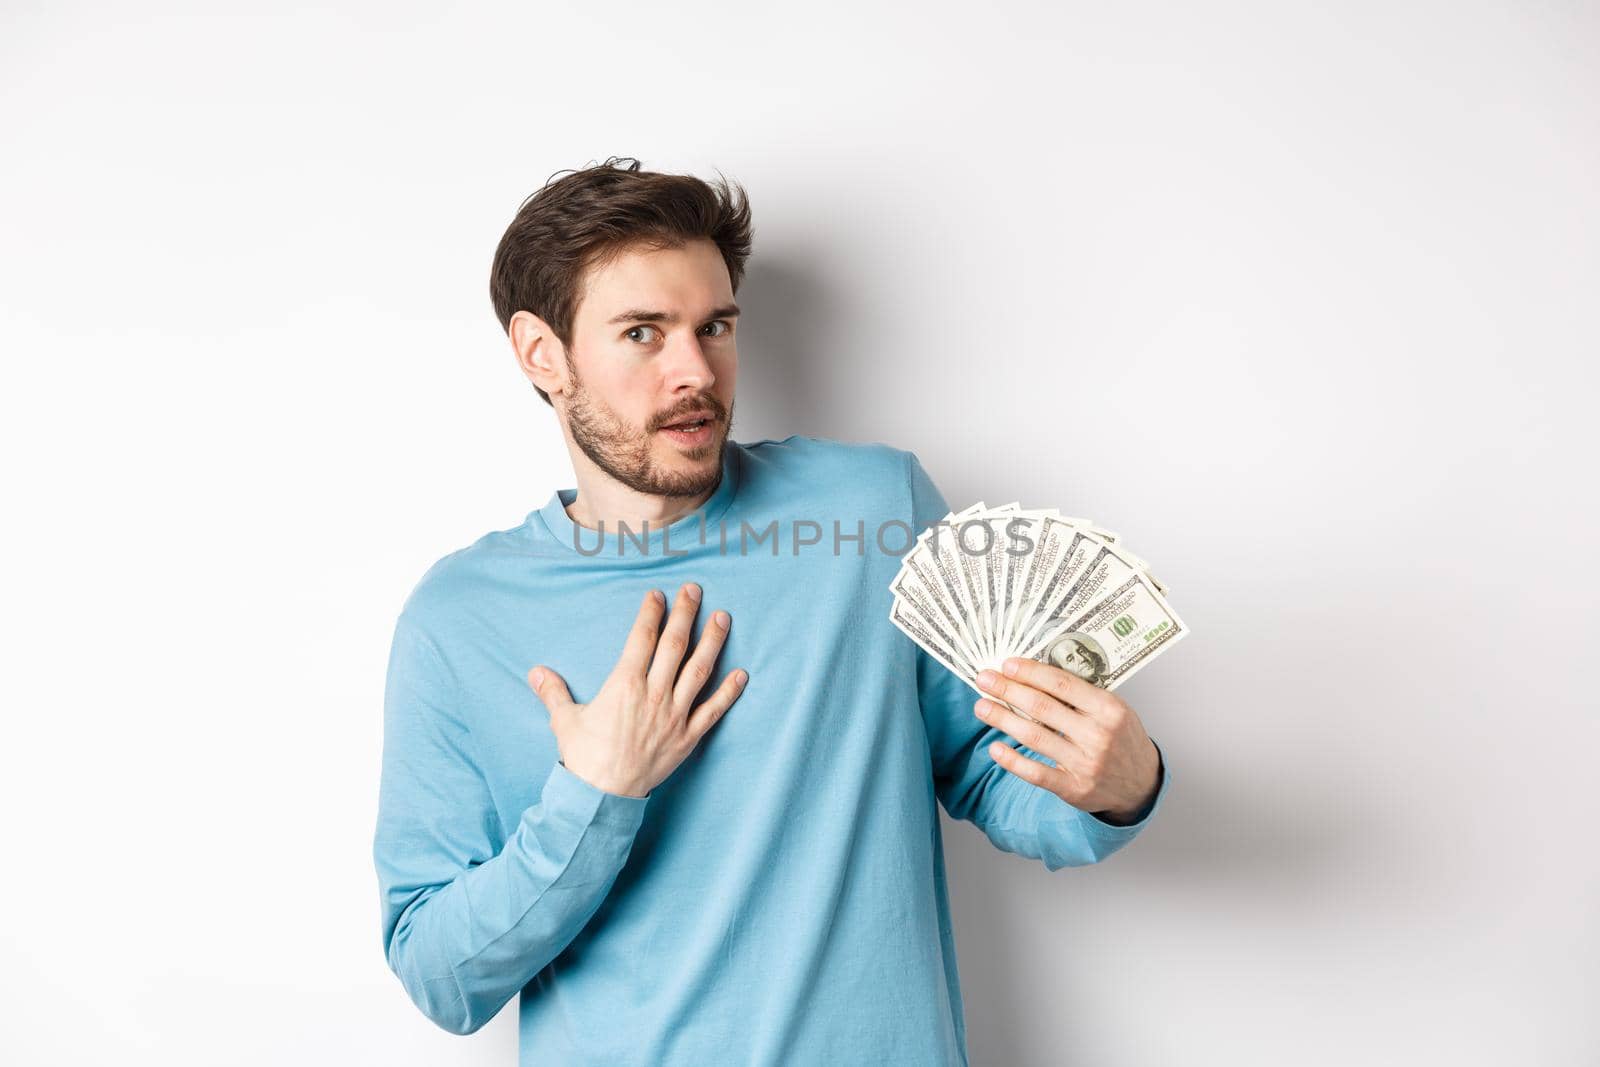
point(786, 310)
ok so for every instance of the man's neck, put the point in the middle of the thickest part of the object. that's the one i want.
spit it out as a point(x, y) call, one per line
point(601, 498)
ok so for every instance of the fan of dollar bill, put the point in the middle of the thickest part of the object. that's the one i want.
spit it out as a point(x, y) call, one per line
point(986, 584)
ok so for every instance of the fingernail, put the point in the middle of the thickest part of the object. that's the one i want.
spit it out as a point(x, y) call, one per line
point(1010, 666)
point(987, 679)
point(721, 618)
point(692, 591)
point(538, 677)
point(740, 677)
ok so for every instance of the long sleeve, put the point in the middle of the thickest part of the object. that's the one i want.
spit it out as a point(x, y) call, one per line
point(469, 919)
point(1015, 815)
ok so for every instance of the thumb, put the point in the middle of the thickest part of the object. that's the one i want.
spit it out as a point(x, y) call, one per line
point(551, 690)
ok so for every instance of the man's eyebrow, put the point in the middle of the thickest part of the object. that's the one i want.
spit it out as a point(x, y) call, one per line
point(726, 311)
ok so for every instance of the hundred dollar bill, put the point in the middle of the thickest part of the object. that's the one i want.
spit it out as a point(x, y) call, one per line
point(1013, 548)
point(1023, 533)
point(1115, 541)
point(916, 626)
point(992, 565)
point(1062, 553)
point(1102, 568)
point(1015, 540)
point(904, 614)
point(963, 543)
point(1115, 636)
point(917, 583)
point(941, 582)
point(960, 576)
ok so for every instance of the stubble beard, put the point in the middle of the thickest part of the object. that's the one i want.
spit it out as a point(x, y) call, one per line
point(625, 453)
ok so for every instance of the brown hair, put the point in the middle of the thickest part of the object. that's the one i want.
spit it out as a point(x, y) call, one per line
point(584, 220)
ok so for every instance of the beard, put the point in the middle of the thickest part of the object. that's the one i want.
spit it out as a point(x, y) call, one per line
point(626, 454)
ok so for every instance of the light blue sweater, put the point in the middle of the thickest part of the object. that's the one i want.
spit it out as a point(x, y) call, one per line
point(781, 897)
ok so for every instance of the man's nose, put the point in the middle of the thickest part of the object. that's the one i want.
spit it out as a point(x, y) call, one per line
point(686, 365)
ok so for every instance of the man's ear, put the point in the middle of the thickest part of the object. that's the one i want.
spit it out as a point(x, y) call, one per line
point(539, 352)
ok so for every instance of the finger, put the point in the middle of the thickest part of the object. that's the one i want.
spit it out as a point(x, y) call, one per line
point(704, 717)
point(697, 671)
point(550, 689)
point(641, 643)
point(674, 640)
point(1058, 780)
point(1059, 683)
point(1028, 700)
point(1037, 737)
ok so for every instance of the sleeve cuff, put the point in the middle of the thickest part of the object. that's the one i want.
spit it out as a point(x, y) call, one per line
point(570, 799)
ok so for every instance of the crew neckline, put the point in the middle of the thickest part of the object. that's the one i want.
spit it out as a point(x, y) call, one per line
point(681, 534)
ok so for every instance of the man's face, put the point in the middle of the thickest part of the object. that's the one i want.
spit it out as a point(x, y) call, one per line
point(653, 346)
point(1069, 656)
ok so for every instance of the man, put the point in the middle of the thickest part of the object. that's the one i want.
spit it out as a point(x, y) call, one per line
point(655, 758)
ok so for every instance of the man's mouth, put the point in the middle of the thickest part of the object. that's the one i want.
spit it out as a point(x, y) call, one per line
point(690, 433)
point(690, 425)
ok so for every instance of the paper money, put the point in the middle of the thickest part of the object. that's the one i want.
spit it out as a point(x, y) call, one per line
point(989, 583)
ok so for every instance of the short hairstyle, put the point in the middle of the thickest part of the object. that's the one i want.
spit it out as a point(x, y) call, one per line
point(584, 220)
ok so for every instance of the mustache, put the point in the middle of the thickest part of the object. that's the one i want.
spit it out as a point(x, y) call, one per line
point(709, 406)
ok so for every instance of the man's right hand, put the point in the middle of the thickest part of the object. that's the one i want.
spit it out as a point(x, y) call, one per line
point(639, 727)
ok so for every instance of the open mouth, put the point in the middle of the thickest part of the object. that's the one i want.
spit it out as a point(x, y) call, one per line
point(690, 431)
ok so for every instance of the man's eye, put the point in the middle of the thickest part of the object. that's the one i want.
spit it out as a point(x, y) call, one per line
point(724, 324)
point(636, 329)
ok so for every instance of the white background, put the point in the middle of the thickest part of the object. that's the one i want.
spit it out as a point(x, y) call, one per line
point(1299, 298)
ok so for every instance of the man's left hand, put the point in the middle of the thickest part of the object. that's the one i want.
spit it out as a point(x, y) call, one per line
point(1105, 762)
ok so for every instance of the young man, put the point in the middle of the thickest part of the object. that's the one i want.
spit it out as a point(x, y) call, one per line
point(656, 758)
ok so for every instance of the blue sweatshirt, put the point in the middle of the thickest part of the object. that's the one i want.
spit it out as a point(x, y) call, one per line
point(781, 897)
